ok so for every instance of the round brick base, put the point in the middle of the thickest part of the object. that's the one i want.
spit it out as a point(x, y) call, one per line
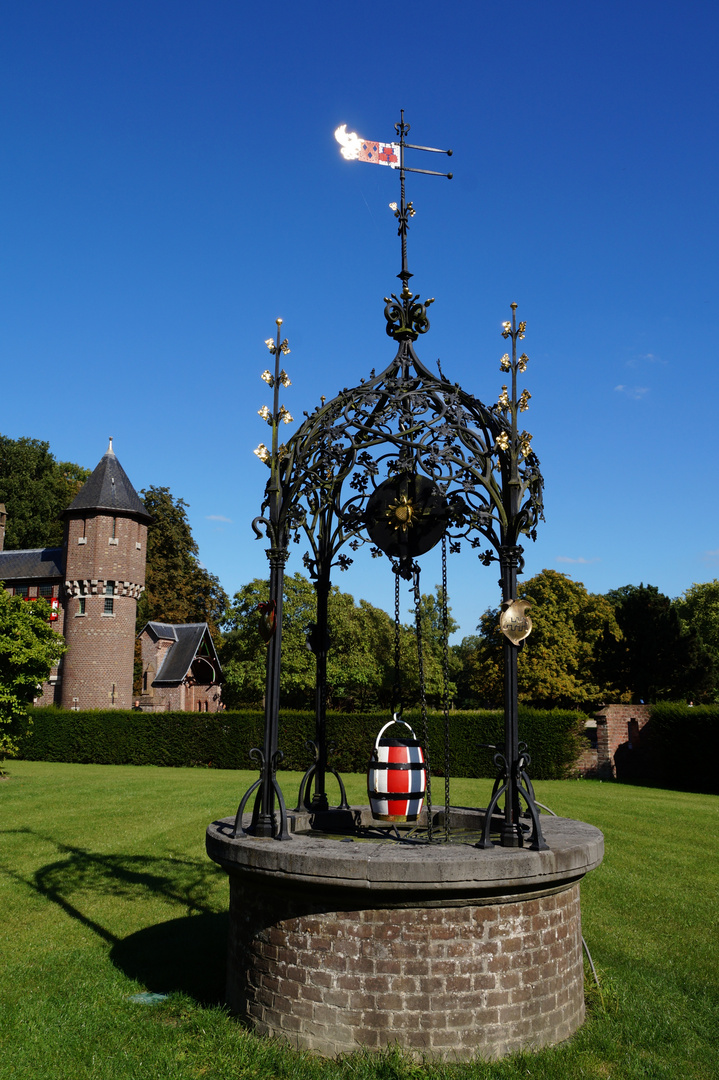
point(445, 968)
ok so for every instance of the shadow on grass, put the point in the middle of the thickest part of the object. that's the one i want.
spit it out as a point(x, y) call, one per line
point(185, 954)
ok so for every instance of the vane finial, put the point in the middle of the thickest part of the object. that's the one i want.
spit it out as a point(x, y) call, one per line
point(406, 318)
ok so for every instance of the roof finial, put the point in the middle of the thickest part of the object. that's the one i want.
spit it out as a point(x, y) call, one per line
point(109, 449)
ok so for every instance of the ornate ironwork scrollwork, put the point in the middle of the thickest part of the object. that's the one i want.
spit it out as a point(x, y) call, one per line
point(406, 317)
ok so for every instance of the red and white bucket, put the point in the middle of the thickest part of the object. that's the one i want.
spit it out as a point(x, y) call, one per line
point(396, 777)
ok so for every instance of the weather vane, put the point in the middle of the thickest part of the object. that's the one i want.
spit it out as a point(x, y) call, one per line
point(392, 153)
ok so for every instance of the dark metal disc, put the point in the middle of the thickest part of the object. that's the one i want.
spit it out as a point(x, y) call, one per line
point(406, 516)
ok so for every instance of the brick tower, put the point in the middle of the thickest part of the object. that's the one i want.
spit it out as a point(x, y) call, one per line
point(106, 547)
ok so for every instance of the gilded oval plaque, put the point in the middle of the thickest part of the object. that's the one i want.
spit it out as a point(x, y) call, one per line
point(514, 622)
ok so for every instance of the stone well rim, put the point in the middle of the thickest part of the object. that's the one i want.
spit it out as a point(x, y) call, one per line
point(439, 870)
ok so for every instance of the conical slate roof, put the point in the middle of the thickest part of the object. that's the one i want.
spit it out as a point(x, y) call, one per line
point(109, 488)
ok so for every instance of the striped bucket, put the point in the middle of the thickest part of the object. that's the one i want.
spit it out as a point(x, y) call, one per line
point(396, 777)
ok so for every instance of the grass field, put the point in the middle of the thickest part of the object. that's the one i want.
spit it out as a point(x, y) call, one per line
point(106, 891)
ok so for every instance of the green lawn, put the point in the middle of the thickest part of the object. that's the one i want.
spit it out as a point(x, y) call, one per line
point(106, 891)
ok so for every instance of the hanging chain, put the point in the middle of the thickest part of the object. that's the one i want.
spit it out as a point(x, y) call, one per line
point(423, 696)
point(445, 677)
point(397, 688)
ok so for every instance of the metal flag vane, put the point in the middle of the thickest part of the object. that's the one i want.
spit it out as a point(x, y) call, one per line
point(392, 154)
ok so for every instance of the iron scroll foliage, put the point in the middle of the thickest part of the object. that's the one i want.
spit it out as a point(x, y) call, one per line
point(405, 419)
point(223, 740)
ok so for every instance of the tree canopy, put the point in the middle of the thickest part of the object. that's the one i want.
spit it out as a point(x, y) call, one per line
point(36, 490)
point(657, 658)
point(698, 610)
point(559, 665)
point(178, 588)
point(360, 660)
point(28, 649)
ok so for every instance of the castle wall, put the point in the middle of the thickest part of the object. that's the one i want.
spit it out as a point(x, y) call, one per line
point(114, 548)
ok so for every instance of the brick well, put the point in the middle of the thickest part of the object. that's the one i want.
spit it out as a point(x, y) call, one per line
point(454, 969)
point(481, 979)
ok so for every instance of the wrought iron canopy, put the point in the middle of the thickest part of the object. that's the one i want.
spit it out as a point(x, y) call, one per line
point(405, 421)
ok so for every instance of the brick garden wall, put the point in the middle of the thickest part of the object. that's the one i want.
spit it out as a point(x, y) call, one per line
point(619, 730)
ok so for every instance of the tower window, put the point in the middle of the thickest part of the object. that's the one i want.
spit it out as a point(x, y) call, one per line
point(81, 605)
point(109, 601)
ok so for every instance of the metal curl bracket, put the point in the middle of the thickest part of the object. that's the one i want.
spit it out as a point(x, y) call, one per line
point(283, 833)
point(303, 797)
point(501, 785)
point(256, 527)
point(238, 830)
point(524, 788)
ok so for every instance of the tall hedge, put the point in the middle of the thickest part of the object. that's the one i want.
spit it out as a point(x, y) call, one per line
point(681, 746)
point(223, 740)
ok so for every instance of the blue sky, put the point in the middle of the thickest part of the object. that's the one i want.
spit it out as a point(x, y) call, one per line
point(170, 185)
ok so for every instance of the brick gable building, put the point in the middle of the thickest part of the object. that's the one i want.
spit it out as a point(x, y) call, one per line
point(180, 668)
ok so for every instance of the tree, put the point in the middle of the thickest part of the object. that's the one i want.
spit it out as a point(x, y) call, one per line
point(559, 664)
point(244, 652)
point(178, 588)
point(698, 611)
point(469, 680)
point(656, 658)
point(36, 490)
point(29, 648)
point(432, 630)
point(360, 660)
